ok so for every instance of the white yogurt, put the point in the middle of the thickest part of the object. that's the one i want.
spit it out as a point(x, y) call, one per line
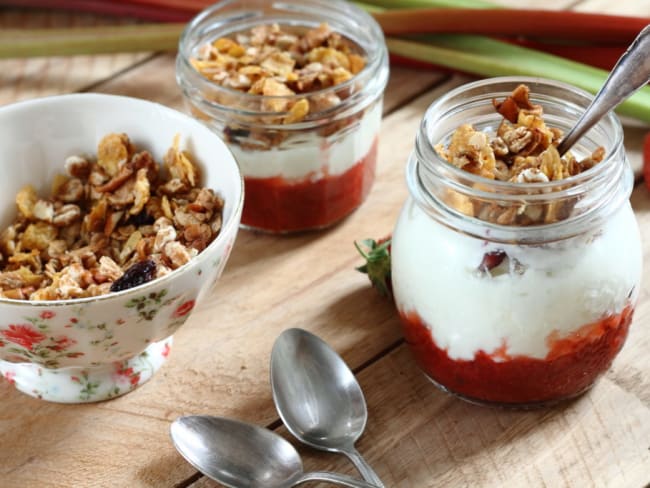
point(564, 286)
point(312, 156)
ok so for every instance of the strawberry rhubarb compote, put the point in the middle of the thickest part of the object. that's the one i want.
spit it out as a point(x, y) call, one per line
point(295, 88)
point(515, 269)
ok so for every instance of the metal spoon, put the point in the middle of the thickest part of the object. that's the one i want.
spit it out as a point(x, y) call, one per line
point(632, 71)
point(241, 455)
point(318, 398)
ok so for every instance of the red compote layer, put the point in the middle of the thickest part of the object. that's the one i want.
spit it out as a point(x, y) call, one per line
point(571, 365)
point(281, 205)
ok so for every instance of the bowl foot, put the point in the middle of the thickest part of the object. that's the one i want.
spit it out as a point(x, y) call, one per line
point(87, 384)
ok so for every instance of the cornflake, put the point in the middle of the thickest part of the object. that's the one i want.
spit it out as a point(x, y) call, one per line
point(109, 224)
point(523, 150)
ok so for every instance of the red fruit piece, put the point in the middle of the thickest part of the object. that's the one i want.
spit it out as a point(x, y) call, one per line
point(491, 260)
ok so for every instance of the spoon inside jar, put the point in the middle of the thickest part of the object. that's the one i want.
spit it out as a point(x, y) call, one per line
point(318, 398)
point(241, 455)
point(631, 72)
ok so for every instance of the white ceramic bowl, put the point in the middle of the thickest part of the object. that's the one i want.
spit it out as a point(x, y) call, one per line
point(97, 348)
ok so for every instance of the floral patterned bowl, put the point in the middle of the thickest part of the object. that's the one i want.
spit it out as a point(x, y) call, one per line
point(92, 349)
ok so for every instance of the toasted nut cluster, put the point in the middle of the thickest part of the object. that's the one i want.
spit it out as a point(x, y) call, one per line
point(120, 212)
point(278, 62)
point(524, 150)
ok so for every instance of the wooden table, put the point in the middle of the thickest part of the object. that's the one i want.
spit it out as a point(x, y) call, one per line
point(416, 436)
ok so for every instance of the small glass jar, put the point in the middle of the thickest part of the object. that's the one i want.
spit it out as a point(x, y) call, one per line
point(304, 175)
point(516, 315)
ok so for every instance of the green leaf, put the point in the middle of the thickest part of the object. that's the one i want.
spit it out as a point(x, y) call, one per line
point(378, 263)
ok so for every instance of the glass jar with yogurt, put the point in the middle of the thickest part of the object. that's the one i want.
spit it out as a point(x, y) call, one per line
point(515, 312)
point(307, 153)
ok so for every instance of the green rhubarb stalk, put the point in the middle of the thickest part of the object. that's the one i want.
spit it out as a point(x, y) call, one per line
point(18, 43)
point(487, 57)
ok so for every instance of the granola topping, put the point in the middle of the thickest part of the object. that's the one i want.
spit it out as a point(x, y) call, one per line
point(109, 224)
point(523, 150)
point(280, 63)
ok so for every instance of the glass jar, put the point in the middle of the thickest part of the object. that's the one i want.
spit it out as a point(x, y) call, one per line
point(304, 175)
point(515, 315)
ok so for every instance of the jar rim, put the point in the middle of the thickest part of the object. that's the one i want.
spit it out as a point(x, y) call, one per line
point(326, 10)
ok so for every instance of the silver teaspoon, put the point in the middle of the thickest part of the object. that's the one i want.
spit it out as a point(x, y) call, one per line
point(318, 398)
point(241, 455)
point(632, 71)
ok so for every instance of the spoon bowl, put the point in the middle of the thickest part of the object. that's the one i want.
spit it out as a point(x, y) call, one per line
point(241, 455)
point(318, 397)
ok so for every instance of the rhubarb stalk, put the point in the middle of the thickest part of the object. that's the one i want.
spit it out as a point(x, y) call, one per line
point(606, 29)
point(117, 8)
point(487, 57)
point(16, 43)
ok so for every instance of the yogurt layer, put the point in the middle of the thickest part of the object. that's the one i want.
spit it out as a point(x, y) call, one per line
point(311, 155)
point(560, 286)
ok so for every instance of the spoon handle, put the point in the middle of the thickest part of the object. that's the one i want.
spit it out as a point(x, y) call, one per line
point(335, 478)
point(632, 71)
point(362, 466)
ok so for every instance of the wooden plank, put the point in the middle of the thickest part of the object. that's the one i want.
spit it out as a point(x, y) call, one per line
point(22, 79)
point(54, 446)
point(420, 437)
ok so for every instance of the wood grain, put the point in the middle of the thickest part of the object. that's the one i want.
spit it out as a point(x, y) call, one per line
point(416, 436)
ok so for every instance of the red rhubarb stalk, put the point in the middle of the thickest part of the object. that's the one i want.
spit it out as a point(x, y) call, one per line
point(601, 28)
point(111, 7)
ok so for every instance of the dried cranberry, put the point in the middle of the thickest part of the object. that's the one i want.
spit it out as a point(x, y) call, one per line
point(491, 260)
point(139, 273)
point(143, 218)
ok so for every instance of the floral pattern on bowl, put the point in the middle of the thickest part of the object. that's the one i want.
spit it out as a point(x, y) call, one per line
point(87, 384)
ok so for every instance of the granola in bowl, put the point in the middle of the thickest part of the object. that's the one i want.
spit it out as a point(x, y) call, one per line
point(110, 223)
point(299, 104)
